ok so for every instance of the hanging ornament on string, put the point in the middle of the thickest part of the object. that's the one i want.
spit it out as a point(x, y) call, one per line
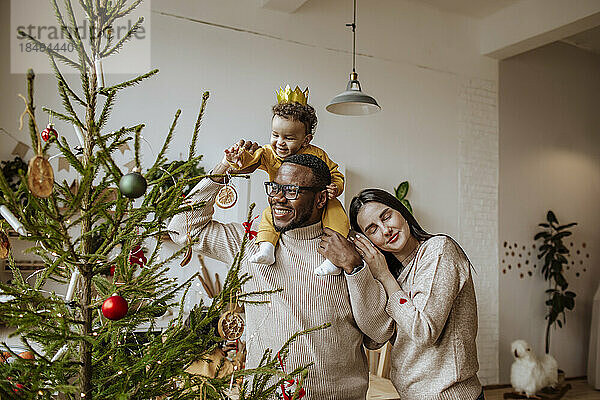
point(188, 252)
point(231, 324)
point(286, 389)
point(4, 245)
point(133, 184)
point(49, 132)
point(115, 307)
point(40, 176)
point(137, 256)
point(227, 195)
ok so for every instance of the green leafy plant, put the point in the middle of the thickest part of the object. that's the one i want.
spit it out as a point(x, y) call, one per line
point(401, 191)
point(555, 253)
point(11, 169)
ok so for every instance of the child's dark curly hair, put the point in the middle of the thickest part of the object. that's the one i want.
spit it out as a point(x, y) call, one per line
point(297, 112)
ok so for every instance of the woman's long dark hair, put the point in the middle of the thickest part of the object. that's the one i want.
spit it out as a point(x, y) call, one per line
point(383, 197)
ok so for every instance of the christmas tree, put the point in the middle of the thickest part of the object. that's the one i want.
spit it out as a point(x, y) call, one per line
point(99, 339)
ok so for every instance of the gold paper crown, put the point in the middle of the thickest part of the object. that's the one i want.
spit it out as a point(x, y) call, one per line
point(288, 96)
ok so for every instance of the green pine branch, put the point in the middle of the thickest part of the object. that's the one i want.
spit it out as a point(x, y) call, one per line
point(124, 39)
point(129, 83)
point(205, 97)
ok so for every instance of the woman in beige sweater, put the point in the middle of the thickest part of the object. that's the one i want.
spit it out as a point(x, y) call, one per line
point(431, 299)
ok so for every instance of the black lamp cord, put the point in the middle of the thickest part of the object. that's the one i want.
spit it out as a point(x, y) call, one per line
point(353, 26)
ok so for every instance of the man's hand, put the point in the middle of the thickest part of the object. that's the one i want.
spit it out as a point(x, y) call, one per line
point(332, 191)
point(339, 250)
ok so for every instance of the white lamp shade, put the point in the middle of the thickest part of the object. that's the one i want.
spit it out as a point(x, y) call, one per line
point(353, 101)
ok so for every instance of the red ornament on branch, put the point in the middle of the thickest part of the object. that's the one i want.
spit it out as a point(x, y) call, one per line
point(247, 227)
point(49, 131)
point(137, 256)
point(115, 307)
point(287, 389)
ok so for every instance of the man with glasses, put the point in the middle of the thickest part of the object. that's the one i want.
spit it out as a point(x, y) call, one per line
point(297, 197)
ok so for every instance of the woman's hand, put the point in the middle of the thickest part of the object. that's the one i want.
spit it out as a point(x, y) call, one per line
point(372, 256)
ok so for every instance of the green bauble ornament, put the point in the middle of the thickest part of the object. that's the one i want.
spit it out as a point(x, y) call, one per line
point(161, 309)
point(133, 185)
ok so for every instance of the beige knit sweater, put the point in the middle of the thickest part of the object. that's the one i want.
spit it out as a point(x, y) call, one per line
point(434, 355)
point(340, 368)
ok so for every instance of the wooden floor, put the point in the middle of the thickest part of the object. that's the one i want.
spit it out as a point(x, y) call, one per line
point(382, 389)
point(580, 391)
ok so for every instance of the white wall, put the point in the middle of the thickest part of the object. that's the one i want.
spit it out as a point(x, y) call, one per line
point(422, 65)
point(549, 159)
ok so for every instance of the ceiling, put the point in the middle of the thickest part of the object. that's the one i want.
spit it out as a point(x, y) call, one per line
point(587, 40)
point(471, 8)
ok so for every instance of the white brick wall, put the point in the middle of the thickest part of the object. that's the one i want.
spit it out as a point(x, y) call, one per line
point(478, 209)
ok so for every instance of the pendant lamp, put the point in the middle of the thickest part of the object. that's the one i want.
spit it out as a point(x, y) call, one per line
point(353, 101)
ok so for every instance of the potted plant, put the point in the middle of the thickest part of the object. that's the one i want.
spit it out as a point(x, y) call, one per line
point(555, 256)
point(401, 191)
point(12, 170)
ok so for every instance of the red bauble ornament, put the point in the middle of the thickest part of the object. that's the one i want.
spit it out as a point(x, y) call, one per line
point(137, 256)
point(49, 131)
point(18, 388)
point(112, 270)
point(115, 307)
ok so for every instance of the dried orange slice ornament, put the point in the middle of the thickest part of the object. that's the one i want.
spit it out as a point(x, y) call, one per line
point(227, 197)
point(40, 177)
point(230, 326)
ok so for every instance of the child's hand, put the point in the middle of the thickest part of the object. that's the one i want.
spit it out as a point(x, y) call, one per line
point(233, 154)
point(332, 191)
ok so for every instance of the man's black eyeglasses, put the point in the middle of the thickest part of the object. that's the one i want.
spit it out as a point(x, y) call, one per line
point(290, 192)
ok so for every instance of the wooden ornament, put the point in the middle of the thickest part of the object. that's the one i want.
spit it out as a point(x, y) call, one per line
point(4, 245)
point(40, 177)
point(230, 326)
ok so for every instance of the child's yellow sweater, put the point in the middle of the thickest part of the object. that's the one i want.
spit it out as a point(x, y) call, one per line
point(265, 158)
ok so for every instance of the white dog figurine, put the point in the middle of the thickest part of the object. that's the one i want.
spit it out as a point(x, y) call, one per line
point(528, 374)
